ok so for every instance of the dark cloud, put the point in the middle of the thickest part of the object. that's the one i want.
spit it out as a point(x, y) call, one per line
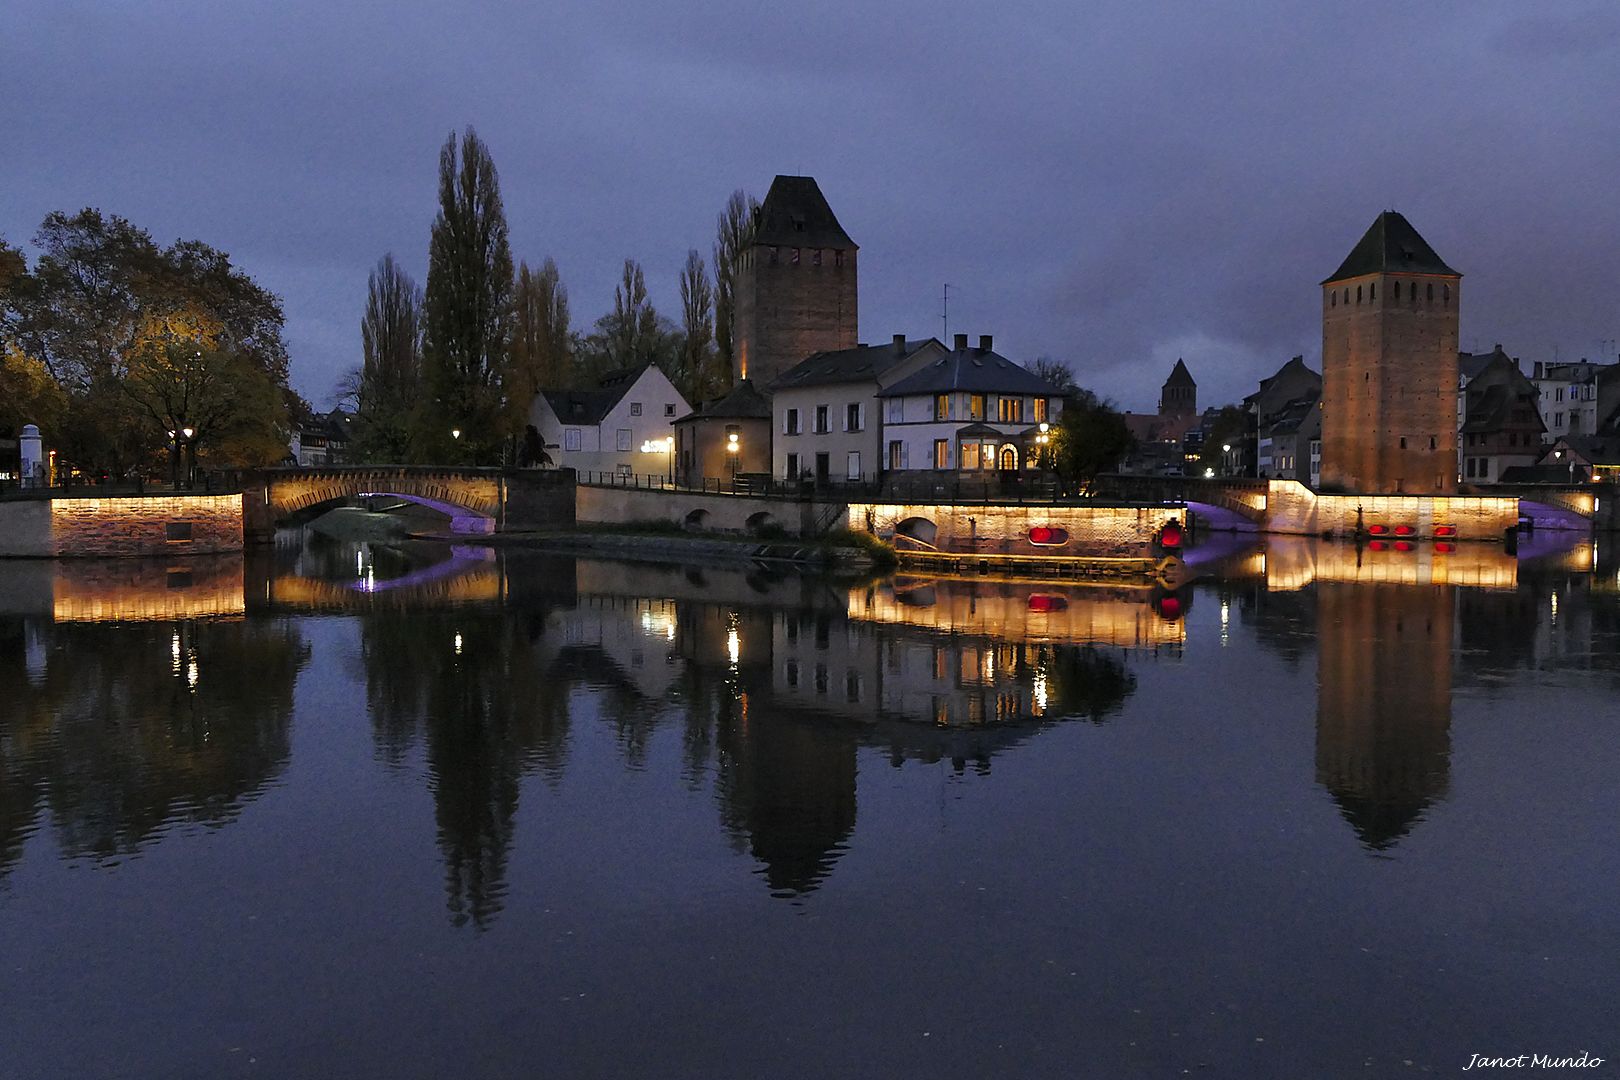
point(1115, 184)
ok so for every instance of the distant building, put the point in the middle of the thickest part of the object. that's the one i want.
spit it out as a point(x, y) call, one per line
point(1162, 438)
point(824, 409)
point(1470, 365)
point(1286, 413)
point(724, 438)
point(795, 285)
point(1577, 458)
point(625, 425)
point(970, 410)
point(1577, 398)
point(1179, 394)
point(1502, 428)
point(1389, 365)
point(323, 440)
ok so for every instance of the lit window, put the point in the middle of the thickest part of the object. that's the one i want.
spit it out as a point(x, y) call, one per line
point(1040, 410)
point(970, 455)
point(942, 454)
point(976, 407)
point(942, 406)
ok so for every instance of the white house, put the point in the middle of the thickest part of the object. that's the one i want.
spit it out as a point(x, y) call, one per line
point(968, 410)
point(624, 426)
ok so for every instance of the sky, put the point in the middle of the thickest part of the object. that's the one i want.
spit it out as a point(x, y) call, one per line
point(1113, 184)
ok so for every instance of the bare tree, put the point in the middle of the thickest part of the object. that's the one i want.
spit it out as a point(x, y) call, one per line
point(695, 367)
point(1055, 372)
point(735, 231)
point(390, 379)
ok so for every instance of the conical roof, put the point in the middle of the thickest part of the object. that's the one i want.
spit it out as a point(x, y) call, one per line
point(1179, 375)
point(795, 214)
point(1391, 246)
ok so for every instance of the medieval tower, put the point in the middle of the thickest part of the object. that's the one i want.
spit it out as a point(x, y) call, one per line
point(795, 284)
point(1179, 395)
point(1389, 365)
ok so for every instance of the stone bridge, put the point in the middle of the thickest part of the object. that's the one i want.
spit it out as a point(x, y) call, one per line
point(1234, 503)
point(475, 500)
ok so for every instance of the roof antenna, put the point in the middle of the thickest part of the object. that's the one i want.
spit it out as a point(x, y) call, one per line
point(945, 313)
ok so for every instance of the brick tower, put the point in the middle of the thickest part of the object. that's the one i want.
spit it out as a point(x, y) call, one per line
point(1389, 365)
point(1179, 395)
point(795, 285)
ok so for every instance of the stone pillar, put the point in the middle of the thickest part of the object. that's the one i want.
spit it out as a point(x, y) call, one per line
point(33, 458)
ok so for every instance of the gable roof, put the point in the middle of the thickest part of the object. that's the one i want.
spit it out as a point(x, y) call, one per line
point(1500, 398)
point(589, 407)
point(796, 214)
point(972, 370)
point(1471, 365)
point(1391, 246)
point(744, 402)
point(863, 363)
point(1180, 376)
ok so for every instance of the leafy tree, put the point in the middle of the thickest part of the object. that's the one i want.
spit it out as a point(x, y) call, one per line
point(541, 343)
point(390, 381)
point(734, 232)
point(695, 368)
point(1090, 438)
point(467, 309)
point(28, 394)
point(1057, 373)
point(1230, 428)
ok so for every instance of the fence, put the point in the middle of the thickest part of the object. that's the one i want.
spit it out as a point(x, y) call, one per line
point(922, 487)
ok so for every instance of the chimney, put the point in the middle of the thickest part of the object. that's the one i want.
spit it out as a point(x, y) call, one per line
point(961, 342)
point(900, 344)
point(985, 340)
point(1538, 370)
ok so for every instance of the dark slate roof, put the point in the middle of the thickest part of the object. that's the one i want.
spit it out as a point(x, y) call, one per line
point(743, 403)
point(972, 370)
point(1180, 376)
point(1469, 365)
point(1391, 246)
point(1496, 393)
point(1598, 449)
point(1536, 474)
point(796, 214)
point(860, 364)
point(1299, 416)
point(588, 407)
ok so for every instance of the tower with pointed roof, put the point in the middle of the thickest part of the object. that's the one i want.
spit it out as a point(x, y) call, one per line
point(1179, 395)
point(1389, 365)
point(795, 284)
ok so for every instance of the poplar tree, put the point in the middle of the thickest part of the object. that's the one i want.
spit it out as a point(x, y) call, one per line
point(391, 375)
point(467, 310)
point(540, 335)
point(735, 231)
point(695, 369)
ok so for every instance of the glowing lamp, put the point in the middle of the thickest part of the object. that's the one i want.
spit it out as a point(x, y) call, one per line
point(1048, 536)
point(1378, 530)
point(1404, 530)
point(1379, 545)
point(1041, 603)
point(1443, 548)
point(1403, 545)
point(1170, 607)
point(1445, 530)
point(1170, 535)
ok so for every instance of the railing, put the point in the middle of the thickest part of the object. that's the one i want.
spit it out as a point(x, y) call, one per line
point(71, 488)
point(918, 487)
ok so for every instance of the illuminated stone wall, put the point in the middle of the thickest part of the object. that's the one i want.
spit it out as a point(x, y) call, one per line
point(154, 525)
point(1291, 507)
point(1004, 530)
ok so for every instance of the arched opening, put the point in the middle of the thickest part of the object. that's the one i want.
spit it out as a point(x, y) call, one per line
point(762, 523)
point(1009, 457)
point(696, 520)
point(916, 532)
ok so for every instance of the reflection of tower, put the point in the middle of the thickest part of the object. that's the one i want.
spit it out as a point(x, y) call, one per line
point(1383, 713)
point(795, 285)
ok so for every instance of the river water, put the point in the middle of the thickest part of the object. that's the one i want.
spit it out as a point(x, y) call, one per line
point(395, 811)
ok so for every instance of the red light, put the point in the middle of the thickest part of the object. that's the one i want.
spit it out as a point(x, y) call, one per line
point(1378, 530)
point(1170, 535)
point(1403, 545)
point(1042, 602)
point(1444, 548)
point(1379, 545)
point(1170, 607)
point(1445, 530)
point(1404, 530)
point(1048, 536)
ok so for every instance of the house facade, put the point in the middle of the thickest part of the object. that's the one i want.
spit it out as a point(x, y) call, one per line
point(1503, 428)
point(625, 425)
point(824, 410)
point(1576, 399)
point(724, 438)
point(968, 410)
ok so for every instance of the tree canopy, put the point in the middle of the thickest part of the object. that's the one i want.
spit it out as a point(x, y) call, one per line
point(1090, 438)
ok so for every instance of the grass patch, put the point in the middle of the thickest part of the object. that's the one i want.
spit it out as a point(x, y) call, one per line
point(883, 555)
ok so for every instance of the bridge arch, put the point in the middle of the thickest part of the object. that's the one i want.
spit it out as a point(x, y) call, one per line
point(473, 499)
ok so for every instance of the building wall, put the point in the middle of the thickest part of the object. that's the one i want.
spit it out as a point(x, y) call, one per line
point(917, 430)
point(1389, 373)
point(60, 528)
point(837, 443)
point(1291, 507)
point(602, 448)
point(785, 312)
point(1124, 531)
point(699, 512)
point(701, 454)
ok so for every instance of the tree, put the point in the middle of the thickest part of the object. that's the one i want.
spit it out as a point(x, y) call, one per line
point(631, 334)
point(467, 309)
point(1091, 437)
point(734, 232)
point(1230, 428)
point(541, 343)
point(695, 368)
point(1057, 373)
point(28, 394)
point(390, 379)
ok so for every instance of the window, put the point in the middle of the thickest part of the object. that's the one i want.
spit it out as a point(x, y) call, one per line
point(635, 408)
point(792, 470)
point(942, 454)
point(853, 472)
point(790, 422)
point(852, 687)
point(895, 410)
point(1040, 410)
point(624, 468)
point(1397, 290)
point(852, 416)
point(1372, 292)
point(976, 407)
point(895, 446)
point(1445, 295)
point(1403, 442)
point(970, 455)
point(1431, 442)
point(177, 532)
point(1333, 299)
point(773, 256)
point(794, 257)
point(1560, 396)
point(669, 410)
point(815, 257)
point(942, 406)
point(1430, 292)
point(1358, 294)
point(571, 439)
point(1011, 410)
point(622, 439)
point(821, 420)
point(792, 672)
point(838, 258)
point(821, 678)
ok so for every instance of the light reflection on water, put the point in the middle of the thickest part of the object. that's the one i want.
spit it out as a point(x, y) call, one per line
point(577, 735)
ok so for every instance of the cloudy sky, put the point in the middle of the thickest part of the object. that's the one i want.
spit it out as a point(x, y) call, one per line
point(1114, 184)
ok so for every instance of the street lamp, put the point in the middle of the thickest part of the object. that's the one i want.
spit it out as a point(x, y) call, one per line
point(732, 450)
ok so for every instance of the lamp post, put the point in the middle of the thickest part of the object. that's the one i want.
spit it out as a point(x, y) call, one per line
point(733, 450)
point(1559, 455)
point(1226, 458)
